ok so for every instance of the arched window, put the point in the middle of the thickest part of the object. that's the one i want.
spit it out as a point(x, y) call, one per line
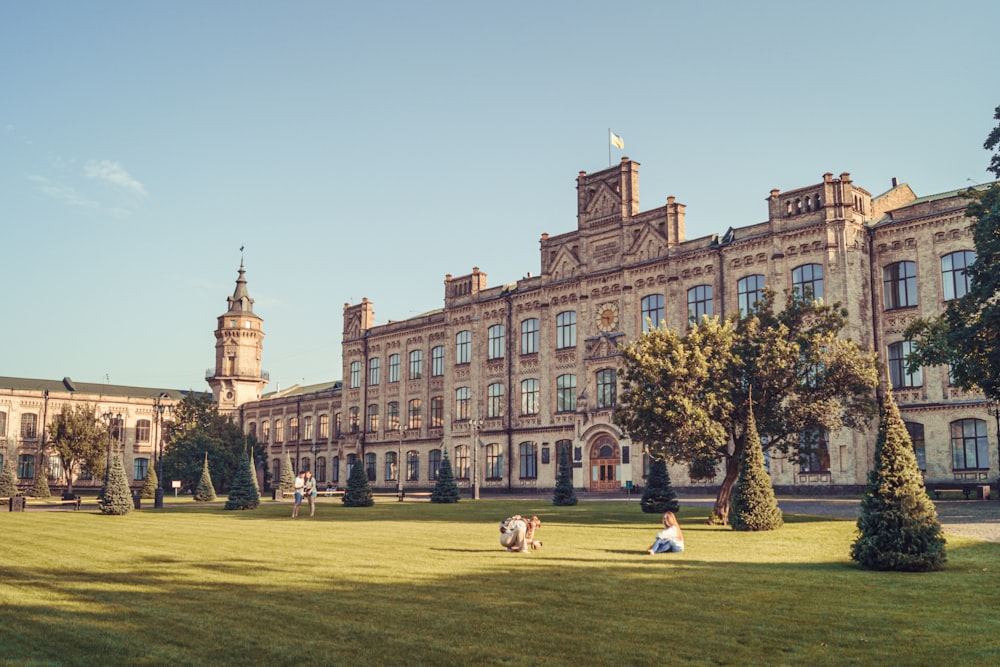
point(566, 329)
point(529, 336)
point(414, 414)
point(393, 368)
point(496, 340)
point(807, 281)
point(463, 346)
point(373, 418)
point(320, 468)
point(416, 364)
point(651, 311)
point(970, 447)
point(437, 411)
point(566, 393)
point(374, 371)
point(463, 400)
point(529, 396)
point(954, 279)
point(494, 400)
point(699, 303)
point(355, 374)
point(370, 466)
point(899, 284)
point(750, 292)
point(437, 361)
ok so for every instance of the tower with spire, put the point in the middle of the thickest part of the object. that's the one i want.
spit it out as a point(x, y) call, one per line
point(238, 342)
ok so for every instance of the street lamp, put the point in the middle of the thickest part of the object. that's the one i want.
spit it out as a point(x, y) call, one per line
point(475, 425)
point(112, 420)
point(399, 465)
point(159, 408)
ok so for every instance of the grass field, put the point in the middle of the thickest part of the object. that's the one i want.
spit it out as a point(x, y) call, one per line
point(416, 583)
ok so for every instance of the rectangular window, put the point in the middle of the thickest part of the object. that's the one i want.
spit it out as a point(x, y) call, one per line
point(900, 379)
point(373, 371)
point(954, 279)
point(433, 464)
point(265, 431)
point(463, 347)
point(307, 428)
point(140, 468)
point(437, 411)
point(412, 466)
point(814, 452)
point(699, 303)
point(494, 462)
point(496, 341)
point(652, 312)
point(916, 431)
point(899, 284)
point(529, 460)
point(324, 427)
point(26, 466)
point(529, 397)
point(969, 445)
point(29, 426)
point(142, 431)
point(529, 336)
point(463, 400)
point(392, 416)
point(494, 400)
point(749, 293)
point(566, 393)
point(355, 374)
point(3, 424)
point(354, 419)
point(393, 368)
point(807, 281)
point(293, 429)
point(566, 330)
point(416, 364)
point(55, 467)
point(338, 424)
point(607, 388)
point(414, 414)
point(320, 469)
point(437, 361)
point(391, 469)
point(279, 431)
point(369, 465)
point(373, 418)
point(462, 462)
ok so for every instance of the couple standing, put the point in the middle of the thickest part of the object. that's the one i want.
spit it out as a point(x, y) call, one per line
point(305, 486)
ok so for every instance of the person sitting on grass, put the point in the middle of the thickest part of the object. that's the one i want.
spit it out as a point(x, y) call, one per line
point(534, 523)
point(669, 539)
point(512, 532)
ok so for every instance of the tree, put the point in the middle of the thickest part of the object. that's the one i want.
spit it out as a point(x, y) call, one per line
point(80, 440)
point(205, 492)
point(359, 491)
point(754, 506)
point(965, 336)
point(198, 428)
point(287, 483)
point(149, 485)
point(565, 494)
point(687, 397)
point(445, 489)
point(8, 478)
point(253, 473)
point(659, 495)
point(40, 489)
point(244, 494)
point(117, 497)
point(898, 528)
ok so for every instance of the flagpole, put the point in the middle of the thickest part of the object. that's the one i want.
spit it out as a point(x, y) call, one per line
point(609, 146)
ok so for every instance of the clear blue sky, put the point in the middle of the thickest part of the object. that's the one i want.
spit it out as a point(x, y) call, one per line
point(366, 149)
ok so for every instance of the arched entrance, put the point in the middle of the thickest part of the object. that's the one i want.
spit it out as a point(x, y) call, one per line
point(605, 465)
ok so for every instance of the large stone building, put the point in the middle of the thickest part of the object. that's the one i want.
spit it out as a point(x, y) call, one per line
point(504, 378)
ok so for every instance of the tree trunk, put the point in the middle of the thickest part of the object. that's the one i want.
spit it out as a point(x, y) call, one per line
point(720, 513)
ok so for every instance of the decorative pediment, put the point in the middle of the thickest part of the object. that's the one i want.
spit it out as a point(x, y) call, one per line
point(647, 244)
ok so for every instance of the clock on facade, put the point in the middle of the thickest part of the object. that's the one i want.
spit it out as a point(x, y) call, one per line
point(607, 317)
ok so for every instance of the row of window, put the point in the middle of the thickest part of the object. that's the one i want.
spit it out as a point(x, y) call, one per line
point(26, 468)
point(29, 427)
point(899, 280)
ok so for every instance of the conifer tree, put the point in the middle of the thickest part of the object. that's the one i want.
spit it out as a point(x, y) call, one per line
point(8, 478)
point(243, 494)
point(117, 497)
point(659, 495)
point(149, 485)
point(898, 528)
point(445, 489)
point(40, 489)
point(287, 483)
point(754, 506)
point(359, 491)
point(205, 492)
point(564, 494)
point(253, 474)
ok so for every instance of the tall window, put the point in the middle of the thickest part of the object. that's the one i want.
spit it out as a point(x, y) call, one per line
point(275, 468)
point(353, 419)
point(338, 424)
point(652, 311)
point(566, 393)
point(807, 280)
point(899, 282)
point(391, 468)
point(252, 430)
point(140, 467)
point(607, 388)
point(320, 468)
point(414, 414)
point(900, 379)
point(463, 401)
point(463, 346)
point(369, 465)
point(954, 279)
point(462, 462)
point(416, 364)
point(437, 411)
point(699, 303)
point(529, 460)
point(494, 462)
point(749, 292)
point(307, 428)
point(305, 464)
point(494, 400)
point(564, 447)
point(393, 368)
point(324, 427)
point(437, 361)
point(814, 452)
point(529, 396)
point(293, 429)
point(335, 470)
point(374, 369)
point(433, 464)
point(3, 424)
point(529, 336)
point(496, 338)
point(26, 466)
point(279, 431)
point(29, 426)
point(566, 329)
point(355, 374)
point(970, 447)
point(142, 431)
point(412, 466)
point(392, 415)
point(265, 431)
point(373, 418)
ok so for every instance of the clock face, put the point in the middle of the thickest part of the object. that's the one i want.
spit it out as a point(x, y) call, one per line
point(607, 317)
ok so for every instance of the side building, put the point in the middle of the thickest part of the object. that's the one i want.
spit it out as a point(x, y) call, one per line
point(506, 378)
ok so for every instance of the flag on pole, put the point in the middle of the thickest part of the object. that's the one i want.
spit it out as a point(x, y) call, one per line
point(617, 141)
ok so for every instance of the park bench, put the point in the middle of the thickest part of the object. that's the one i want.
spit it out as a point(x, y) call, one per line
point(336, 493)
point(74, 501)
point(982, 491)
point(964, 490)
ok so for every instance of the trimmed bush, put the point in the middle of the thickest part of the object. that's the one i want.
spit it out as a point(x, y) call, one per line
point(40, 489)
point(205, 492)
point(898, 528)
point(565, 494)
point(659, 495)
point(149, 485)
point(287, 482)
point(754, 506)
point(445, 489)
point(8, 478)
point(359, 491)
point(117, 497)
point(243, 495)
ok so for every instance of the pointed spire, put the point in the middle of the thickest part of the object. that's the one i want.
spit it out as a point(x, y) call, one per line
point(240, 301)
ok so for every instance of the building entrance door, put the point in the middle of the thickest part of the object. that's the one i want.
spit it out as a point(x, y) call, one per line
point(605, 464)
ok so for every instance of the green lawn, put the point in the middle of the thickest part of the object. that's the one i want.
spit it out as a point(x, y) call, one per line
point(415, 583)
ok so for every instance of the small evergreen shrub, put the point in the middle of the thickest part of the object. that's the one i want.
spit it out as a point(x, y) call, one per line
point(253, 475)
point(898, 528)
point(565, 494)
point(205, 491)
point(149, 485)
point(8, 478)
point(243, 494)
point(359, 491)
point(117, 497)
point(753, 505)
point(445, 489)
point(40, 489)
point(286, 485)
point(659, 495)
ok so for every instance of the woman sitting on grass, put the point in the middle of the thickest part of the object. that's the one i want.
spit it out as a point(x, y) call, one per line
point(669, 539)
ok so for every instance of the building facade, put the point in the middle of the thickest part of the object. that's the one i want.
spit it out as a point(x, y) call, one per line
point(506, 378)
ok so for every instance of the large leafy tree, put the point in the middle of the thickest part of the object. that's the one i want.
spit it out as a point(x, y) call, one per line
point(687, 398)
point(198, 428)
point(965, 336)
point(80, 439)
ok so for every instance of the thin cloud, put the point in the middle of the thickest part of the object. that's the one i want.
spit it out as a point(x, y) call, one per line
point(113, 173)
point(65, 193)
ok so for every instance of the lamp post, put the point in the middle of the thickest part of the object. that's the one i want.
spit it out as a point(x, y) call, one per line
point(159, 408)
point(475, 425)
point(399, 465)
